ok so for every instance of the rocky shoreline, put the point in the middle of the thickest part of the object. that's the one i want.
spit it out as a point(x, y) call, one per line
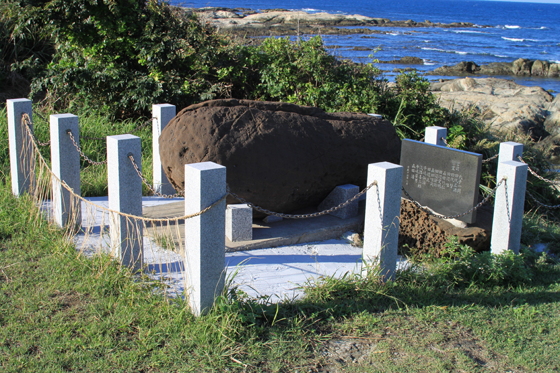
point(280, 22)
point(519, 67)
point(506, 107)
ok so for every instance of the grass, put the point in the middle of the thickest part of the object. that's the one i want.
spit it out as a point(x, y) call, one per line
point(60, 311)
point(93, 129)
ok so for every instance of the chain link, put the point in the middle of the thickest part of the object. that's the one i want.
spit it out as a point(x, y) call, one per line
point(507, 200)
point(553, 182)
point(82, 153)
point(27, 121)
point(542, 204)
point(491, 158)
point(304, 216)
point(145, 181)
point(484, 201)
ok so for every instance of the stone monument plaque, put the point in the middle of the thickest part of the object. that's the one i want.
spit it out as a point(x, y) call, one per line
point(443, 179)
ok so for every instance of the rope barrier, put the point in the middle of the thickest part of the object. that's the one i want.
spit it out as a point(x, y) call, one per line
point(27, 121)
point(104, 209)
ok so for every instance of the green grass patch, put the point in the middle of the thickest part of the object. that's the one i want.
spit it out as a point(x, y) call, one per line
point(61, 311)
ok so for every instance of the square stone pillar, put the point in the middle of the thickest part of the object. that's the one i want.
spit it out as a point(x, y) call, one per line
point(205, 254)
point(383, 211)
point(65, 161)
point(162, 114)
point(435, 135)
point(22, 162)
point(510, 151)
point(508, 207)
point(125, 195)
point(239, 222)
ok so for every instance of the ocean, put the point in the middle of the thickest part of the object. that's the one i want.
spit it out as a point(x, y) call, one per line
point(516, 30)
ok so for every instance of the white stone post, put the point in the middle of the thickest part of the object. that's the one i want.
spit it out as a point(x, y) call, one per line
point(125, 195)
point(162, 114)
point(22, 161)
point(381, 226)
point(65, 161)
point(508, 207)
point(435, 135)
point(239, 222)
point(205, 183)
point(510, 151)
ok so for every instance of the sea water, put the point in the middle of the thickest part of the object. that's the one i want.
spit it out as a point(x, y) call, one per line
point(503, 31)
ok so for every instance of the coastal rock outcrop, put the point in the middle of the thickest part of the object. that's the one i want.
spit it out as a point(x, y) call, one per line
point(519, 67)
point(286, 22)
point(504, 105)
point(406, 60)
point(280, 156)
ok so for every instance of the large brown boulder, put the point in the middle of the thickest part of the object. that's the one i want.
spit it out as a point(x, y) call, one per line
point(280, 156)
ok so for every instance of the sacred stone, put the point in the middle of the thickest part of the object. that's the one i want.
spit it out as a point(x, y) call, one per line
point(444, 179)
point(279, 156)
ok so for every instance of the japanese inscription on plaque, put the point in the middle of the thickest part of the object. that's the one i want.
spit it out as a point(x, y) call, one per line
point(444, 179)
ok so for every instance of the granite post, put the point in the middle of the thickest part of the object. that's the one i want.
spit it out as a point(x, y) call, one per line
point(381, 226)
point(435, 135)
point(22, 162)
point(125, 195)
point(508, 207)
point(205, 184)
point(239, 222)
point(510, 151)
point(162, 114)
point(65, 161)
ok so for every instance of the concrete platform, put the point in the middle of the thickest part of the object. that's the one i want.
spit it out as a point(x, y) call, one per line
point(282, 233)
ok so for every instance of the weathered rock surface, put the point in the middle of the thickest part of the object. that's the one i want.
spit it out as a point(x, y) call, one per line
point(504, 105)
point(280, 156)
point(520, 67)
point(422, 233)
point(286, 22)
point(406, 60)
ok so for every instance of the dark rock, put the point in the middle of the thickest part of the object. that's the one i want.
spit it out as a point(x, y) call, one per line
point(540, 68)
point(280, 156)
point(496, 68)
point(521, 66)
point(406, 60)
point(465, 67)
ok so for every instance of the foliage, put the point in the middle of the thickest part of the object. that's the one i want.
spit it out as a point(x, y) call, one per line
point(461, 266)
point(26, 45)
point(128, 55)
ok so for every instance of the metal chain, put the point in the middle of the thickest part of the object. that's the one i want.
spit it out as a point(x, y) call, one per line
point(507, 199)
point(491, 158)
point(554, 182)
point(82, 153)
point(145, 181)
point(540, 203)
point(304, 216)
point(379, 203)
point(485, 200)
point(445, 141)
point(27, 121)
